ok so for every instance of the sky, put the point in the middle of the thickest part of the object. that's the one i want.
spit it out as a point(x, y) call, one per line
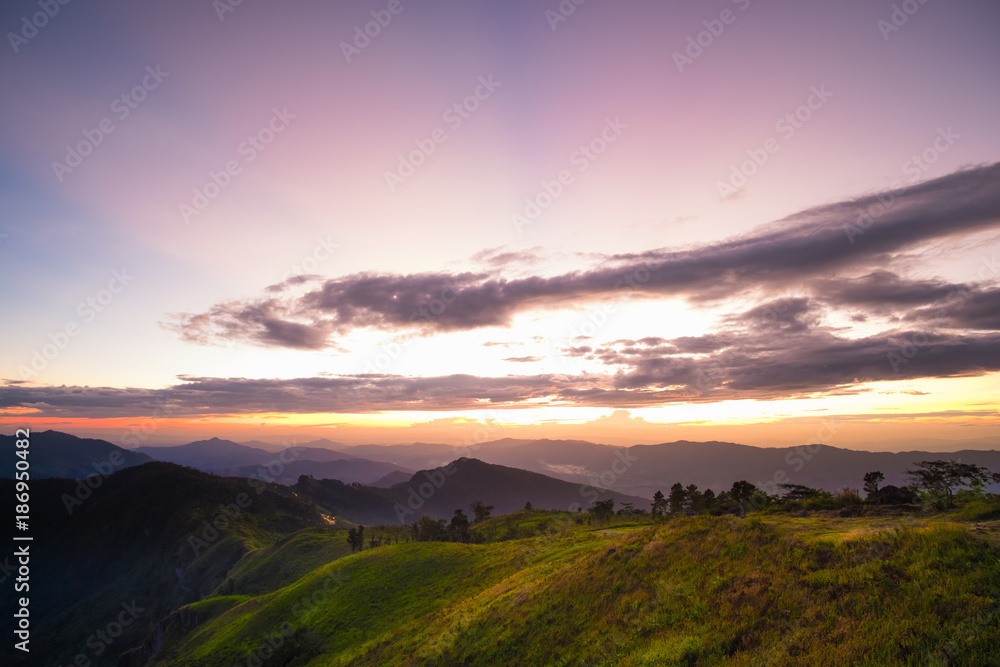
point(395, 221)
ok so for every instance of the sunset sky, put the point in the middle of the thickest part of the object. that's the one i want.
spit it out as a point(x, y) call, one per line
point(762, 222)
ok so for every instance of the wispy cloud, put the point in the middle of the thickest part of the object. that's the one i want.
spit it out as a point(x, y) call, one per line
point(810, 248)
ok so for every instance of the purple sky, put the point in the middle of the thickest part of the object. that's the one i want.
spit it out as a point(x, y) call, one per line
point(312, 228)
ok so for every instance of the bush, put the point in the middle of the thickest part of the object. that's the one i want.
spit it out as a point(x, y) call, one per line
point(848, 497)
point(821, 500)
point(981, 509)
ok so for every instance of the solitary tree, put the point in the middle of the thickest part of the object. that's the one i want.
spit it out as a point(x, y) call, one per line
point(481, 510)
point(873, 480)
point(942, 478)
point(528, 506)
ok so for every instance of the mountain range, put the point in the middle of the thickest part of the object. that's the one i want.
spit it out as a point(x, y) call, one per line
point(640, 470)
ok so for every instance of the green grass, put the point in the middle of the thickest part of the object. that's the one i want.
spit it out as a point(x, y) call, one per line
point(285, 561)
point(698, 591)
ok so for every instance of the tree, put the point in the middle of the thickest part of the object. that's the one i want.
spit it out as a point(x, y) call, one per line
point(427, 529)
point(873, 480)
point(659, 504)
point(459, 526)
point(677, 498)
point(796, 492)
point(603, 509)
point(708, 499)
point(941, 478)
point(742, 492)
point(528, 506)
point(356, 538)
point(481, 511)
point(692, 498)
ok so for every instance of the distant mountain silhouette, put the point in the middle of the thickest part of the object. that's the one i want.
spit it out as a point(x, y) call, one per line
point(438, 492)
point(56, 454)
point(352, 470)
point(714, 465)
point(212, 454)
point(392, 479)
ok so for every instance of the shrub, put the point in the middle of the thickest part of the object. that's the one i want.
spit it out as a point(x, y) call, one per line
point(981, 509)
point(848, 497)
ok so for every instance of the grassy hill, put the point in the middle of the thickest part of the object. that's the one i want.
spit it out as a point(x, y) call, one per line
point(143, 536)
point(877, 590)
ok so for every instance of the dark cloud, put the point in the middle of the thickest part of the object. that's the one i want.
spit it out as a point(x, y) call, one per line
point(752, 367)
point(968, 309)
point(811, 246)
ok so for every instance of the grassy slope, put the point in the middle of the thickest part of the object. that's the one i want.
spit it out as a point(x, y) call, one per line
point(285, 561)
point(130, 541)
point(692, 591)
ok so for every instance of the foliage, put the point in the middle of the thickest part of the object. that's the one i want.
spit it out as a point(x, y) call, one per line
point(940, 479)
point(873, 480)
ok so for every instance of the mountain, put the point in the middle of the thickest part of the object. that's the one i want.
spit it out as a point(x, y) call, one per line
point(56, 454)
point(644, 469)
point(322, 443)
point(438, 492)
point(415, 456)
point(392, 479)
point(213, 454)
point(353, 470)
point(148, 539)
point(351, 502)
point(308, 452)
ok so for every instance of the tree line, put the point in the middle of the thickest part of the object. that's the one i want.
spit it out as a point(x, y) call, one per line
point(938, 482)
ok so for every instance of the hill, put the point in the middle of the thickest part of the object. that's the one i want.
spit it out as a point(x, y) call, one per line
point(440, 491)
point(212, 454)
point(353, 470)
point(152, 537)
point(712, 465)
point(56, 454)
point(704, 590)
